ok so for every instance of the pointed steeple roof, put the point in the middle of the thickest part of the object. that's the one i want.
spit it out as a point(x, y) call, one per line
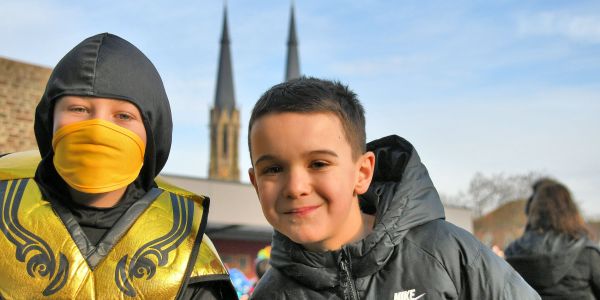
point(292, 69)
point(225, 96)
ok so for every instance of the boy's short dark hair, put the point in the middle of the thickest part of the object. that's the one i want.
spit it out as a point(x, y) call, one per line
point(310, 95)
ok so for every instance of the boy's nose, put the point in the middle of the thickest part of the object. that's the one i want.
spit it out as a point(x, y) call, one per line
point(298, 184)
point(101, 113)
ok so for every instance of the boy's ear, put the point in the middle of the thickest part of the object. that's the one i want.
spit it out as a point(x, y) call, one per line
point(253, 179)
point(366, 168)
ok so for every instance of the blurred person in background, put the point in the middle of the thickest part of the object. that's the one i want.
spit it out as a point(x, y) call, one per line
point(555, 255)
point(262, 262)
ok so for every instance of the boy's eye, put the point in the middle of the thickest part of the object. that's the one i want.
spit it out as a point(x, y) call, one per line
point(124, 116)
point(318, 164)
point(78, 109)
point(272, 170)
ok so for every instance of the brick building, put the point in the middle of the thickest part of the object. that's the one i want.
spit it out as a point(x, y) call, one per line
point(21, 86)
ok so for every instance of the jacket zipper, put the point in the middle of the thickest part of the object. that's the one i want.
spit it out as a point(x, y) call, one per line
point(346, 280)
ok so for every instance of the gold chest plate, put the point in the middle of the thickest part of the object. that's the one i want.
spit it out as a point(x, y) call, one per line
point(39, 258)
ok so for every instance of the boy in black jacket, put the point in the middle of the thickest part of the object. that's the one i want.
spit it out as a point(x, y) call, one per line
point(356, 221)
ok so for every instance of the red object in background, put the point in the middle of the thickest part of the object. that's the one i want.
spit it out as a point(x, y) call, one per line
point(239, 254)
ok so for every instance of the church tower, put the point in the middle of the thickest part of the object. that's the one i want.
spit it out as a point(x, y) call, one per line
point(292, 67)
point(224, 118)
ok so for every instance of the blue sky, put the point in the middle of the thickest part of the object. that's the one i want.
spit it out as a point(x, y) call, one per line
point(477, 86)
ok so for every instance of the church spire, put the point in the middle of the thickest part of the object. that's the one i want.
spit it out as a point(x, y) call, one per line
point(224, 118)
point(292, 69)
point(225, 96)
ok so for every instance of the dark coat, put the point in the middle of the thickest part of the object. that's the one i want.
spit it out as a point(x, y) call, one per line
point(557, 266)
point(411, 252)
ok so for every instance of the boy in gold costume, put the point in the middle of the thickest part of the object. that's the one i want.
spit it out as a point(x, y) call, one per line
point(89, 221)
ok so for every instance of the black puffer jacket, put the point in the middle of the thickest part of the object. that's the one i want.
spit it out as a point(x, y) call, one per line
point(557, 266)
point(412, 252)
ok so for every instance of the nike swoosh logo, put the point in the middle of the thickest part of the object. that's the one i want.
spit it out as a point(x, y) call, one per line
point(419, 297)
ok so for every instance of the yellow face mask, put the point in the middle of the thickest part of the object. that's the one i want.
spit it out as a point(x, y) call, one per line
point(97, 156)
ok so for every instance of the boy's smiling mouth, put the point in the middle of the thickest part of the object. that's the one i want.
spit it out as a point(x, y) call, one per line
point(302, 211)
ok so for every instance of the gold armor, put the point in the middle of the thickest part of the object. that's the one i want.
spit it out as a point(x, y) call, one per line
point(152, 258)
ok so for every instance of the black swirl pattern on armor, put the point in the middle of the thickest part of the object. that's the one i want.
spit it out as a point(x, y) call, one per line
point(156, 252)
point(39, 257)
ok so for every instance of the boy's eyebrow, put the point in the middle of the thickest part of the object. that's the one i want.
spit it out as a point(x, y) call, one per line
point(263, 158)
point(324, 151)
point(273, 157)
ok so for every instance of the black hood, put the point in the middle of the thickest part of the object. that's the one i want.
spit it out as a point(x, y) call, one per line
point(543, 259)
point(401, 197)
point(106, 66)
